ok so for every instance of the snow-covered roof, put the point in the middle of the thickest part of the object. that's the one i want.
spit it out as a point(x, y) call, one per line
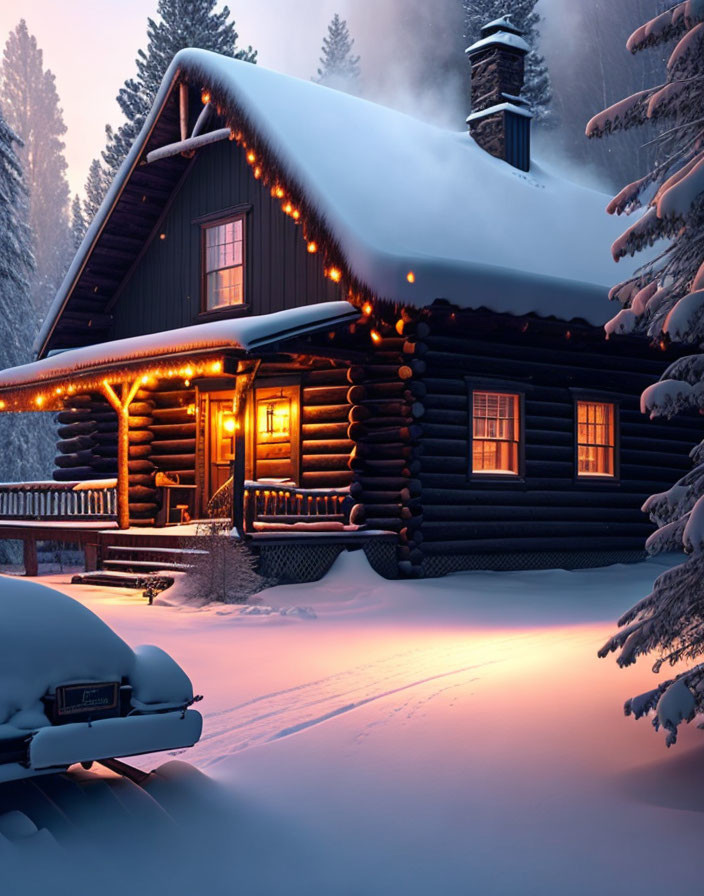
point(504, 38)
point(243, 333)
point(397, 194)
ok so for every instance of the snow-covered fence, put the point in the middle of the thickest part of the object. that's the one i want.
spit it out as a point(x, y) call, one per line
point(90, 500)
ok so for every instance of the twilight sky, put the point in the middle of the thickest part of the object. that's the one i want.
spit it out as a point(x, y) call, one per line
point(90, 45)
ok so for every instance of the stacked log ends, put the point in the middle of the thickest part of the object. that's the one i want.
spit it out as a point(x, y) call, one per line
point(87, 443)
point(143, 494)
point(385, 425)
point(169, 444)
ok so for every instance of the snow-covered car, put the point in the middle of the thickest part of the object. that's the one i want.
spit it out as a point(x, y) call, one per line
point(72, 691)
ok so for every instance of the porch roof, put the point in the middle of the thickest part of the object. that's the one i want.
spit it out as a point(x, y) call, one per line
point(42, 384)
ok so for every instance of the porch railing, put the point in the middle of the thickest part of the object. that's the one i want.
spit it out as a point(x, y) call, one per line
point(89, 500)
point(279, 505)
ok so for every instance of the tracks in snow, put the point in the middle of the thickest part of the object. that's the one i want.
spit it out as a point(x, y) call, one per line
point(413, 676)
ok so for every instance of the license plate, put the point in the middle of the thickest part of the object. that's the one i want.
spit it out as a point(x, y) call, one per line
point(85, 699)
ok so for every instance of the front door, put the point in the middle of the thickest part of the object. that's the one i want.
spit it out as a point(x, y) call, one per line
point(220, 440)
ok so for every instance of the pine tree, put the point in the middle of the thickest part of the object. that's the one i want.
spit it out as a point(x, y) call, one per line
point(227, 572)
point(181, 24)
point(78, 222)
point(537, 89)
point(338, 67)
point(666, 300)
point(97, 184)
point(31, 107)
point(27, 440)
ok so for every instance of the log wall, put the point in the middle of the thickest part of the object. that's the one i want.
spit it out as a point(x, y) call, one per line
point(325, 443)
point(547, 510)
point(87, 443)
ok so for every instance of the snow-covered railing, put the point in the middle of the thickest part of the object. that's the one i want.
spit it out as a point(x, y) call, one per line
point(273, 503)
point(89, 500)
point(284, 503)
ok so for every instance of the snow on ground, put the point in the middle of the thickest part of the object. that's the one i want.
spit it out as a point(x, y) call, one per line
point(361, 736)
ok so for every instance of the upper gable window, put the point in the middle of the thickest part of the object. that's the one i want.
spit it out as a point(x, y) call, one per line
point(224, 264)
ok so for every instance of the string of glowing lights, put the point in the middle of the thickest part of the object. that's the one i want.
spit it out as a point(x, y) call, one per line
point(46, 397)
point(333, 269)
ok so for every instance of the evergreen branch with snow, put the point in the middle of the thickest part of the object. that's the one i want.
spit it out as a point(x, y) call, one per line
point(665, 300)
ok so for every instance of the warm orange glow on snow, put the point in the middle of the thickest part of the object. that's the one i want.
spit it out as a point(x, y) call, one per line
point(411, 277)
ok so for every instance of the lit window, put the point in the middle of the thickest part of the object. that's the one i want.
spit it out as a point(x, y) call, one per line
point(495, 432)
point(595, 438)
point(224, 264)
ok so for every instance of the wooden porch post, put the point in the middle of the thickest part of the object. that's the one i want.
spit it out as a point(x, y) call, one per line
point(238, 467)
point(121, 406)
point(244, 384)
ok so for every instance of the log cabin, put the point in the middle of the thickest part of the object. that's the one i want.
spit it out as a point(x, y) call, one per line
point(336, 325)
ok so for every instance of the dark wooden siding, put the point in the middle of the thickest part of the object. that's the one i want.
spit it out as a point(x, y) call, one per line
point(548, 510)
point(163, 291)
point(325, 445)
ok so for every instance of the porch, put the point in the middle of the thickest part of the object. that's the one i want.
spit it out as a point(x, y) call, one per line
point(84, 514)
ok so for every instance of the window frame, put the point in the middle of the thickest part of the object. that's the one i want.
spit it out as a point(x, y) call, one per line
point(205, 223)
point(599, 480)
point(502, 387)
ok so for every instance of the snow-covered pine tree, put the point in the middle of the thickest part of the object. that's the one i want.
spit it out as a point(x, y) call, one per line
point(78, 222)
point(180, 24)
point(26, 439)
point(97, 184)
point(31, 108)
point(523, 14)
point(339, 68)
point(227, 572)
point(666, 300)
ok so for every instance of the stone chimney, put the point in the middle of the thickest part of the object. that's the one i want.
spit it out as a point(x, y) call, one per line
point(500, 119)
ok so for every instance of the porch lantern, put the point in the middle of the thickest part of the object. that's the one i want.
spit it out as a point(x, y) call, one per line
point(274, 419)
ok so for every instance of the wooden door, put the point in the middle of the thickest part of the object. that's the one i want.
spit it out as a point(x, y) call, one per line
point(221, 441)
point(275, 429)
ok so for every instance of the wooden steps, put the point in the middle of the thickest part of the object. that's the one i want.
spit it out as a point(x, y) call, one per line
point(149, 558)
point(146, 565)
point(113, 579)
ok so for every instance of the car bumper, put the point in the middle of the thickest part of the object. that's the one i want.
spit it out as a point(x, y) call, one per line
point(58, 747)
